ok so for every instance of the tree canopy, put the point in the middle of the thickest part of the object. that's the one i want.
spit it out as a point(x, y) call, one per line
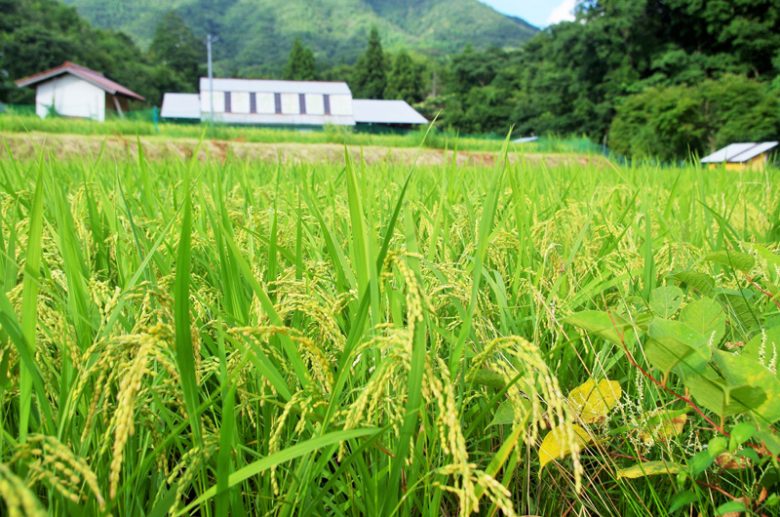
point(300, 65)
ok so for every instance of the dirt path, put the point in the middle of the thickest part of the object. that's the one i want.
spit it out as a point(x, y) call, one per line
point(62, 146)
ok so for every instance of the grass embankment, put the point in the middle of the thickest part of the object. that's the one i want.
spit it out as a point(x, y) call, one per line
point(244, 337)
point(28, 123)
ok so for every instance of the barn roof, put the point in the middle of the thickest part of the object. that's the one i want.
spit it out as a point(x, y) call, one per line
point(271, 86)
point(739, 153)
point(385, 112)
point(181, 105)
point(82, 72)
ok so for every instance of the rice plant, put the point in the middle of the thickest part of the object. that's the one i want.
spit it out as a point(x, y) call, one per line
point(228, 337)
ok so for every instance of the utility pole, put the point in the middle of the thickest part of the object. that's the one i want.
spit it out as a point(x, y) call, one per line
point(211, 76)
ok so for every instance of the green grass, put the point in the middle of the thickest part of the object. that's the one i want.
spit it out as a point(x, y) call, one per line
point(22, 122)
point(241, 337)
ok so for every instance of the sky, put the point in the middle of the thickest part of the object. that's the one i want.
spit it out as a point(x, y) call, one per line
point(538, 12)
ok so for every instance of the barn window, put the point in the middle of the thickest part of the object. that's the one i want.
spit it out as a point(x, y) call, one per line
point(326, 104)
point(253, 102)
point(302, 103)
point(228, 106)
point(278, 103)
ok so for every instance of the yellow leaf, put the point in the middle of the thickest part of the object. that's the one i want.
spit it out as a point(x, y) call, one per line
point(593, 402)
point(661, 426)
point(557, 444)
point(649, 468)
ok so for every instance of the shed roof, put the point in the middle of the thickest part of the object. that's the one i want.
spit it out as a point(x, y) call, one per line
point(739, 153)
point(181, 105)
point(385, 112)
point(272, 86)
point(82, 72)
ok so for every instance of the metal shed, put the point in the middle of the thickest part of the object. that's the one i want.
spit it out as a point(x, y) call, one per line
point(386, 112)
point(73, 90)
point(747, 155)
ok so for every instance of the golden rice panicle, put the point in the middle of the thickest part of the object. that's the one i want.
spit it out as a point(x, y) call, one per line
point(19, 500)
point(123, 420)
point(536, 397)
point(53, 461)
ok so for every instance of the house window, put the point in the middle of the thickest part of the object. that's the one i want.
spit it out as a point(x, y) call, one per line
point(302, 103)
point(253, 102)
point(278, 103)
point(326, 104)
point(228, 104)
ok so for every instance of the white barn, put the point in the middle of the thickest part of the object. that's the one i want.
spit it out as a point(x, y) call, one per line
point(72, 90)
point(284, 103)
point(293, 103)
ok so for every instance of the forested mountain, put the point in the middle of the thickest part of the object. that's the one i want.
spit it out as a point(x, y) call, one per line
point(255, 36)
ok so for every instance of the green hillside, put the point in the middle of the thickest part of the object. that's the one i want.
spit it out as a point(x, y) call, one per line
point(256, 35)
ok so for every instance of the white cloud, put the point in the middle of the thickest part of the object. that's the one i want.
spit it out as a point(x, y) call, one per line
point(563, 13)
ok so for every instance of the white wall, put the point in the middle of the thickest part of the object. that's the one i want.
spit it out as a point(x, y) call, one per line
point(70, 97)
point(265, 103)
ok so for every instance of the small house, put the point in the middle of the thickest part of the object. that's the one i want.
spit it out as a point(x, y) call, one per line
point(748, 155)
point(72, 90)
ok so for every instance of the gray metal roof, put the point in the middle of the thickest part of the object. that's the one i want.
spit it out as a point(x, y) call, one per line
point(269, 86)
point(181, 105)
point(385, 112)
point(739, 153)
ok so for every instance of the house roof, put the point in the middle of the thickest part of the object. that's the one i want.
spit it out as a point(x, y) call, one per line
point(271, 86)
point(385, 112)
point(82, 72)
point(181, 105)
point(739, 153)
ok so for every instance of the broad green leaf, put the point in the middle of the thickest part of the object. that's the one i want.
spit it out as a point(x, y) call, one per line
point(700, 462)
point(732, 259)
point(593, 402)
point(701, 282)
point(708, 389)
point(772, 259)
point(557, 444)
point(611, 327)
point(747, 379)
point(505, 414)
point(665, 301)
point(649, 468)
point(707, 317)
point(764, 349)
point(732, 507)
point(673, 343)
point(682, 499)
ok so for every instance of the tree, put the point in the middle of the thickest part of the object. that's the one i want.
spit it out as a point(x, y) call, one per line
point(370, 79)
point(300, 65)
point(176, 46)
point(405, 80)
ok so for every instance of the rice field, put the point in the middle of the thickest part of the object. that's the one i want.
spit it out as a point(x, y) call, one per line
point(236, 337)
